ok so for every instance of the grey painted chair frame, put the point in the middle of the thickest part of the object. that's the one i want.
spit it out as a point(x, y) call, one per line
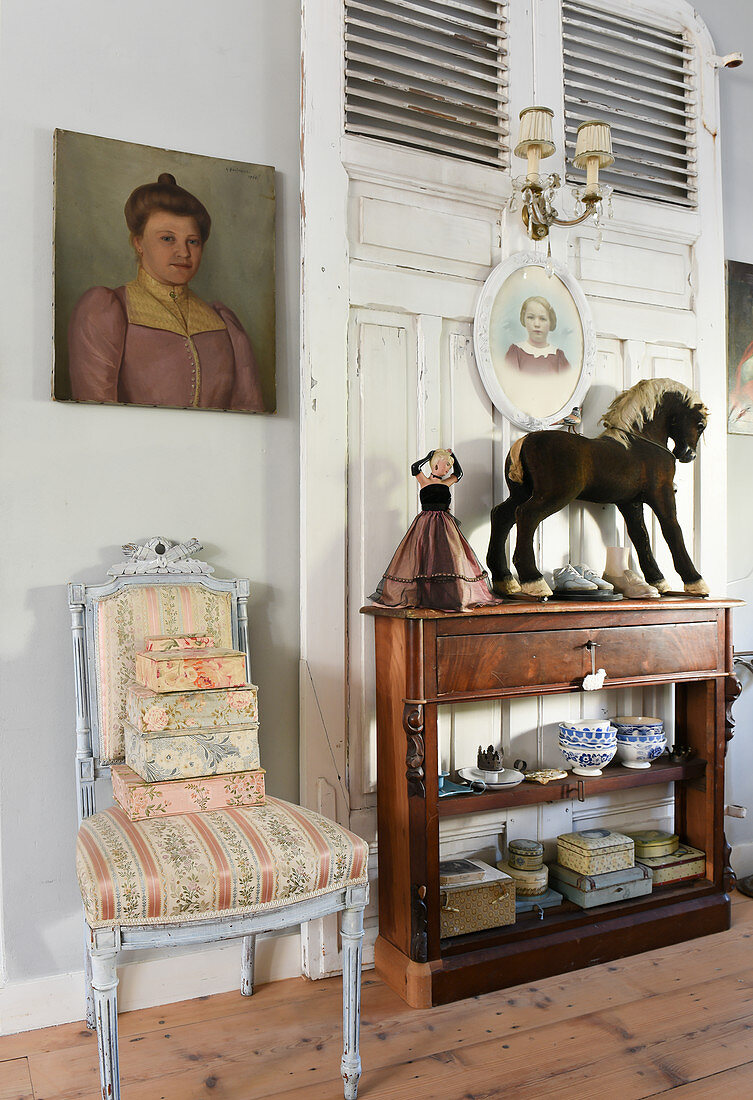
point(104, 944)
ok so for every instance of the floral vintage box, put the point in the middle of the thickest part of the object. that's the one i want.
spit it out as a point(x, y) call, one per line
point(190, 669)
point(595, 851)
point(185, 755)
point(162, 642)
point(141, 799)
point(154, 711)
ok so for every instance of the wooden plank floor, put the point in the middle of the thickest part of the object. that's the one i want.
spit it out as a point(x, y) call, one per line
point(676, 1021)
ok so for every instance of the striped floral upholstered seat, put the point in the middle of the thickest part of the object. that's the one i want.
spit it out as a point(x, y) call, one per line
point(208, 865)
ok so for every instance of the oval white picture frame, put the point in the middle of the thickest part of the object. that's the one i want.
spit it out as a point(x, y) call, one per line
point(536, 400)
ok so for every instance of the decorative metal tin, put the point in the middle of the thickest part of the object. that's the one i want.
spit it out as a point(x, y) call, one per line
point(588, 891)
point(527, 883)
point(526, 855)
point(654, 842)
point(476, 906)
point(683, 864)
point(595, 851)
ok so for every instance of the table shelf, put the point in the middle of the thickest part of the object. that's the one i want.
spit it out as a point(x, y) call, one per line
point(613, 778)
point(427, 660)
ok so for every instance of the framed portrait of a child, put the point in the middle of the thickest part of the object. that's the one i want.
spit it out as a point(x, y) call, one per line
point(534, 341)
point(164, 278)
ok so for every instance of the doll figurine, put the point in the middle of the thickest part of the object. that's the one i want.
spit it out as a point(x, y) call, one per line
point(434, 566)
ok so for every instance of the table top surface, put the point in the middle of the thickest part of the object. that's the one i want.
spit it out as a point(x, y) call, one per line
point(555, 606)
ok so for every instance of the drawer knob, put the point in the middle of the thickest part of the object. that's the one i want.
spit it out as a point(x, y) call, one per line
point(595, 679)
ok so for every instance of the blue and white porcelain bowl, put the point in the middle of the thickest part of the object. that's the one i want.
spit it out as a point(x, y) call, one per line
point(588, 750)
point(637, 726)
point(593, 726)
point(639, 740)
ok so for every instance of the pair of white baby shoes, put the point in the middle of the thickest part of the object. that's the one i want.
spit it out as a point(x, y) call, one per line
point(579, 578)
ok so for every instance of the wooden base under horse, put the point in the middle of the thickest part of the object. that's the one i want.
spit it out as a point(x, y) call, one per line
point(629, 464)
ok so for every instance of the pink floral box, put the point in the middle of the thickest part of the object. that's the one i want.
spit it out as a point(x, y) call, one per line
point(191, 754)
point(151, 711)
point(192, 670)
point(161, 642)
point(140, 799)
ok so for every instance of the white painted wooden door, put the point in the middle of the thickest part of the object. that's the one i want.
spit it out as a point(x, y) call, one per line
point(397, 242)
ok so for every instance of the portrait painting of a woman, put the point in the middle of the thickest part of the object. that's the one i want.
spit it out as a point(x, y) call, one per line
point(164, 278)
point(153, 341)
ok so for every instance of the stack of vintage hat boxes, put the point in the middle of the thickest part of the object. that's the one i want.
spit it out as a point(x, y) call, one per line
point(598, 866)
point(192, 731)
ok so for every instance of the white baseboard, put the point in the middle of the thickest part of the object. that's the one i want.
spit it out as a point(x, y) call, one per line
point(59, 999)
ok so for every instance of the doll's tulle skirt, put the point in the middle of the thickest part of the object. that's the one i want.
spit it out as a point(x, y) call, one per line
point(434, 566)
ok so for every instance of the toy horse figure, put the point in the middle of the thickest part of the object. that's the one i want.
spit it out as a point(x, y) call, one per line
point(629, 465)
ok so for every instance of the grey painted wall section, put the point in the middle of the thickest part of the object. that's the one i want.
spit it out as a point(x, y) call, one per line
point(76, 481)
point(731, 27)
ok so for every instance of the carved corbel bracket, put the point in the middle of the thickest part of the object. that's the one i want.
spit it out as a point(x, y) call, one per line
point(413, 724)
point(732, 689)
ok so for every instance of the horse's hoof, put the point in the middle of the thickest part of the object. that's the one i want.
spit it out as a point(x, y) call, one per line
point(506, 586)
point(539, 588)
point(697, 588)
point(662, 585)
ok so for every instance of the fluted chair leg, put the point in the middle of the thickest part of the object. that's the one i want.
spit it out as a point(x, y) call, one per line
point(105, 984)
point(352, 941)
point(248, 954)
point(91, 1021)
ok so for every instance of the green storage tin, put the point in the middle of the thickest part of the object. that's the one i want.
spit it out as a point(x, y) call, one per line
point(588, 891)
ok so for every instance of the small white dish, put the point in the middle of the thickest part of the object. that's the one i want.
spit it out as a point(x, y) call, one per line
point(508, 777)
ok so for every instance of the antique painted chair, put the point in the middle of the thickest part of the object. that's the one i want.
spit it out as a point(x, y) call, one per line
point(199, 877)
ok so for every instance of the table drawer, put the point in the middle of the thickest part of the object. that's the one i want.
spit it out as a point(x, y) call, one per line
point(488, 662)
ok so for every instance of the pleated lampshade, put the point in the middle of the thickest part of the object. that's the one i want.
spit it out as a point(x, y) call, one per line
point(594, 140)
point(535, 130)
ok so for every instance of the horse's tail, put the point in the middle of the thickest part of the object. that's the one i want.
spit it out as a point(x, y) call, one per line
point(515, 471)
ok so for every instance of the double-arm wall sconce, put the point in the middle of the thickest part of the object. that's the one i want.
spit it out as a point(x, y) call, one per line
point(593, 150)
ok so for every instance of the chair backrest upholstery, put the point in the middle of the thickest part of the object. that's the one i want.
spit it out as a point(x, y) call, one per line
point(110, 623)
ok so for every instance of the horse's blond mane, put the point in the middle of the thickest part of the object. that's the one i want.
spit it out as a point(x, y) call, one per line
point(630, 410)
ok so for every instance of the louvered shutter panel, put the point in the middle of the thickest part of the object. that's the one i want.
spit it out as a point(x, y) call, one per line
point(429, 74)
point(641, 80)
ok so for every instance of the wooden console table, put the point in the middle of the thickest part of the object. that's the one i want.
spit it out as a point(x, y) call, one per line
point(426, 659)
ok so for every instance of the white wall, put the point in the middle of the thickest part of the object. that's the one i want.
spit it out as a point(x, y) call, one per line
point(731, 27)
point(219, 79)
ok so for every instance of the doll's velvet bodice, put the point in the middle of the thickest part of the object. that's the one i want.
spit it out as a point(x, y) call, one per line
point(435, 498)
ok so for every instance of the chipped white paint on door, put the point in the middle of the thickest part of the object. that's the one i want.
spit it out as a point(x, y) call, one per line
point(396, 246)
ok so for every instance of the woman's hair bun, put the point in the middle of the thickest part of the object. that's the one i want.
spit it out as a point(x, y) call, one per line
point(165, 194)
